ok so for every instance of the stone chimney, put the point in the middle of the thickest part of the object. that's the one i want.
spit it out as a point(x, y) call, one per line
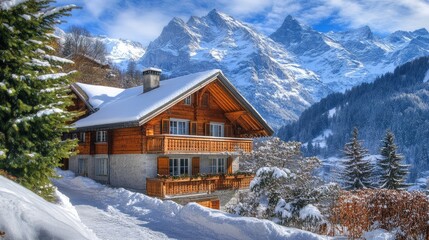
point(151, 78)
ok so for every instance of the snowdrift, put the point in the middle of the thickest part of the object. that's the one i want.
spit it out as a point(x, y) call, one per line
point(178, 221)
point(25, 215)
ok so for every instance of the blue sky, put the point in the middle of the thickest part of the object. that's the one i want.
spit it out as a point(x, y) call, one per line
point(143, 20)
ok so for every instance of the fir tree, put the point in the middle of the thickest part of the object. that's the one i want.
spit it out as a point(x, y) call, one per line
point(357, 171)
point(393, 173)
point(33, 95)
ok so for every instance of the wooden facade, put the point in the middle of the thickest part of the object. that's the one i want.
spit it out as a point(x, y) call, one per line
point(208, 105)
point(213, 105)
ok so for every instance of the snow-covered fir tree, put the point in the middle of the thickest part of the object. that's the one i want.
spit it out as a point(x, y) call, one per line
point(284, 188)
point(33, 94)
point(357, 171)
point(393, 171)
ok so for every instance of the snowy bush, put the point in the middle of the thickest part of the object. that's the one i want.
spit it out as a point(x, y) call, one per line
point(284, 185)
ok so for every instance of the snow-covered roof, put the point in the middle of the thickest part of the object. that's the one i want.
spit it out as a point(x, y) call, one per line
point(116, 107)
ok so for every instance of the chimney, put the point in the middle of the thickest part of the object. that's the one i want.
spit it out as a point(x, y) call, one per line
point(151, 78)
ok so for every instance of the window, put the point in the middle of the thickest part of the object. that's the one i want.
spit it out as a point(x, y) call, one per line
point(82, 137)
point(217, 129)
point(101, 136)
point(205, 100)
point(217, 165)
point(179, 127)
point(179, 166)
point(81, 168)
point(188, 100)
point(101, 166)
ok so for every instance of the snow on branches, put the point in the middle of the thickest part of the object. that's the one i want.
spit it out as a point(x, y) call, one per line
point(284, 189)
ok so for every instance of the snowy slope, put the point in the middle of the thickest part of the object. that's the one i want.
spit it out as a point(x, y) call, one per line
point(122, 214)
point(345, 59)
point(24, 215)
point(267, 75)
point(121, 51)
point(118, 51)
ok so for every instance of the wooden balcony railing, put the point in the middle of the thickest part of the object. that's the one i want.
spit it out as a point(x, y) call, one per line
point(159, 187)
point(194, 144)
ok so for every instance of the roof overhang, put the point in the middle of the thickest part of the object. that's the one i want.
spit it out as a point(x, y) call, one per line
point(218, 75)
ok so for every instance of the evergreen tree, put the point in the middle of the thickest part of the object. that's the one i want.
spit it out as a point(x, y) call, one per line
point(33, 94)
point(357, 171)
point(393, 173)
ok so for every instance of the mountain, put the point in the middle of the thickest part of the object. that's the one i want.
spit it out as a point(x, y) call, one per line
point(281, 74)
point(345, 59)
point(262, 70)
point(121, 51)
point(398, 101)
point(284, 73)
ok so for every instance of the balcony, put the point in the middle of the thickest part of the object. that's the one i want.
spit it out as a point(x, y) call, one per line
point(166, 187)
point(168, 144)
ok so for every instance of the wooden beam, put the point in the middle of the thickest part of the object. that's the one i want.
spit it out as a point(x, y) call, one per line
point(256, 133)
point(233, 116)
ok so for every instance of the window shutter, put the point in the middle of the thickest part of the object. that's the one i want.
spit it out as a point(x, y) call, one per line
point(163, 166)
point(92, 142)
point(193, 128)
point(165, 126)
point(195, 165)
point(207, 129)
point(229, 165)
point(228, 130)
point(109, 141)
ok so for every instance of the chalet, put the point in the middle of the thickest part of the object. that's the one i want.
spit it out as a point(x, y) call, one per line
point(177, 136)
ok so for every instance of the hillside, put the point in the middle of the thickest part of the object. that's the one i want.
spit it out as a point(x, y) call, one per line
point(398, 101)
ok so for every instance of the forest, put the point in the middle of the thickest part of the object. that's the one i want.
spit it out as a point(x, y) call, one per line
point(398, 101)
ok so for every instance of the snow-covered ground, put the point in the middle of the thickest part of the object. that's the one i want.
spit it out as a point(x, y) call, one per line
point(24, 215)
point(89, 210)
point(117, 213)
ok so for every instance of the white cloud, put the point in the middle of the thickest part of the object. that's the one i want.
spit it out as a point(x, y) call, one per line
point(137, 25)
point(98, 7)
point(382, 15)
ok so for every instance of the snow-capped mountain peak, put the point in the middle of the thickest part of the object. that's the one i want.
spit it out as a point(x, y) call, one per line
point(253, 62)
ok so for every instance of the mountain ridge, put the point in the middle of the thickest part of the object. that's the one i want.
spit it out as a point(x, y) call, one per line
point(280, 74)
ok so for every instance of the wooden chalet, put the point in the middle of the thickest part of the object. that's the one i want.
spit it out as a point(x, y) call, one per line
point(173, 137)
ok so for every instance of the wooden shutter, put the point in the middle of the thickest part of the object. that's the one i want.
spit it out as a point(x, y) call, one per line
point(110, 141)
point(163, 166)
point(229, 165)
point(228, 130)
point(193, 128)
point(165, 126)
point(195, 165)
point(92, 142)
point(207, 129)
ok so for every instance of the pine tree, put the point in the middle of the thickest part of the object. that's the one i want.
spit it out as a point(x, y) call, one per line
point(393, 173)
point(33, 94)
point(357, 171)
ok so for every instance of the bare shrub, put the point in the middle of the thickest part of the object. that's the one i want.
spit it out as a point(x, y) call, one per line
point(404, 213)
